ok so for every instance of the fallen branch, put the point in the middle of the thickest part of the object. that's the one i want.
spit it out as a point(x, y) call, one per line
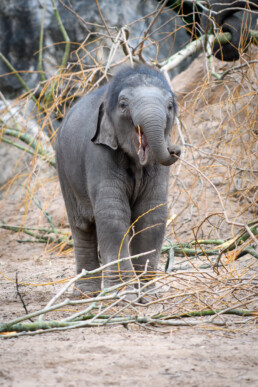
point(32, 143)
point(186, 249)
point(95, 313)
point(236, 242)
point(196, 46)
point(104, 320)
point(42, 235)
point(191, 49)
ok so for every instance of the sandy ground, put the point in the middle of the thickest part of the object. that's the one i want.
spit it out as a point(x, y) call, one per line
point(120, 357)
point(115, 356)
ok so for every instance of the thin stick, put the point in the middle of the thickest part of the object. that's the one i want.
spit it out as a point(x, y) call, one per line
point(25, 137)
point(20, 296)
point(16, 73)
point(41, 38)
point(64, 33)
point(140, 139)
point(148, 29)
point(103, 20)
point(221, 202)
point(86, 272)
point(7, 104)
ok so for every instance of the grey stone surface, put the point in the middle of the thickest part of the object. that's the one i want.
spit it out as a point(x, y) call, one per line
point(20, 22)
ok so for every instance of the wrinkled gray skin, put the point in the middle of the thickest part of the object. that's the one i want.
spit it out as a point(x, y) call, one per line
point(109, 177)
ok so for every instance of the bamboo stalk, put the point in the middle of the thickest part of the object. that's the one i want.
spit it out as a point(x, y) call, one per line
point(180, 249)
point(41, 38)
point(29, 140)
point(91, 320)
point(16, 73)
point(64, 33)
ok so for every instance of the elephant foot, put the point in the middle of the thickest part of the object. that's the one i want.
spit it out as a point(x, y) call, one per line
point(134, 298)
point(147, 299)
point(150, 294)
point(86, 288)
point(131, 298)
point(123, 293)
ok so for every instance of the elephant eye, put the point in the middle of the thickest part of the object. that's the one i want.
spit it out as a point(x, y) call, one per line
point(170, 106)
point(122, 105)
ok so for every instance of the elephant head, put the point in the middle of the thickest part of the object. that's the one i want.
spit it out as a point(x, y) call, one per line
point(137, 115)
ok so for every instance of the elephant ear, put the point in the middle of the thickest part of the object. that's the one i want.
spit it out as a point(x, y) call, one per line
point(105, 131)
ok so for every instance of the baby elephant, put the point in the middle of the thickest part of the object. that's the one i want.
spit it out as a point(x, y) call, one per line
point(113, 156)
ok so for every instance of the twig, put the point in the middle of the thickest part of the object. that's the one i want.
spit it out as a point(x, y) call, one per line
point(48, 217)
point(41, 38)
point(93, 320)
point(82, 22)
point(21, 228)
point(171, 258)
point(9, 111)
point(242, 238)
point(182, 251)
point(148, 29)
point(176, 249)
point(20, 296)
point(244, 301)
point(180, 56)
point(124, 44)
point(249, 250)
point(39, 238)
point(65, 35)
point(85, 273)
point(112, 52)
point(21, 80)
point(232, 69)
point(103, 20)
point(34, 144)
point(254, 36)
point(221, 202)
point(20, 147)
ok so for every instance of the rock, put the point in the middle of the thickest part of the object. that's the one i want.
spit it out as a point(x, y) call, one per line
point(20, 24)
point(14, 161)
point(19, 30)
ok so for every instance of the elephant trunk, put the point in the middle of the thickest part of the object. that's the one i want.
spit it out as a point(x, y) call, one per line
point(152, 120)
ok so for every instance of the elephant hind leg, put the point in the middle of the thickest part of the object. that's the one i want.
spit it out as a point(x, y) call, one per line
point(86, 254)
point(150, 230)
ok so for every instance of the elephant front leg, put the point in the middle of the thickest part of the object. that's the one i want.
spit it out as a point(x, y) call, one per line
point(112, 222)
point(86, 254)
point(149, 235)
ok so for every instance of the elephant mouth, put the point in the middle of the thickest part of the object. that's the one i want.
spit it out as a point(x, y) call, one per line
point(143, 146)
